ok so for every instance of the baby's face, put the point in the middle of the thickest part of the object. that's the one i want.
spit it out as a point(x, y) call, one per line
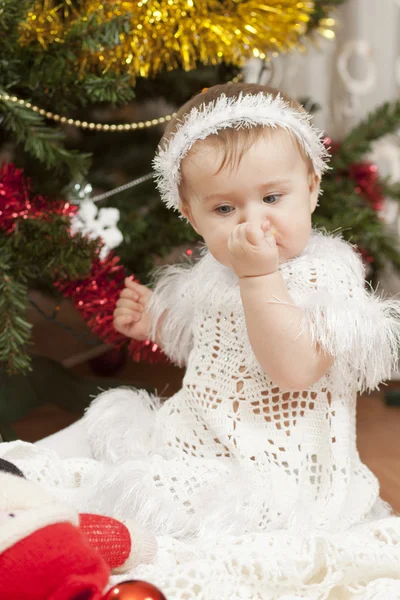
point(271, 183)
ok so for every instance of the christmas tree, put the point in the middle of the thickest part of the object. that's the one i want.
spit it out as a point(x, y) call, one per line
point(85, 91)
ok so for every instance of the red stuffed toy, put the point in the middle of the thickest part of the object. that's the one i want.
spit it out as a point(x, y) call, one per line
point(49, 552)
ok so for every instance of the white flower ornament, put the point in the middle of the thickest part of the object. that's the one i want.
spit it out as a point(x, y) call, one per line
point(95, 222)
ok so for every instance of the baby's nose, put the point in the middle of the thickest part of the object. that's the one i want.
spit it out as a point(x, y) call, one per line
point(257, 212)
point(266, 225)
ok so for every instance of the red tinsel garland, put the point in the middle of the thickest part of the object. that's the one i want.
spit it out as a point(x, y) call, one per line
point(95, 298)
point(96, 295)
point(16, 202)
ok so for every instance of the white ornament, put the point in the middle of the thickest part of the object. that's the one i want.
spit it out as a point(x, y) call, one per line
point(98, 223)
point(358, 87)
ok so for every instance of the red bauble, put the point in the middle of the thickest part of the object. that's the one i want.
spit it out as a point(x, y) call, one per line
point(366, 177)
point(134, 590)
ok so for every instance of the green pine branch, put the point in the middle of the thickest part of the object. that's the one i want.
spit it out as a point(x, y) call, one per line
point(42, 142)
point(391, 190)
point(107, 88)
point(15, 331)
point(48, 252)
point(11, 14)
point(342, 209)
point(92, 31)
point(37, 253)
point(382, 121)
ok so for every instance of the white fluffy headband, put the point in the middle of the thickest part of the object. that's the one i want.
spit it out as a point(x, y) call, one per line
point(246, 110)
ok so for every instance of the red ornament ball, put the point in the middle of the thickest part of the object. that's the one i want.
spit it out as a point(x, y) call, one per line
point(134, 590)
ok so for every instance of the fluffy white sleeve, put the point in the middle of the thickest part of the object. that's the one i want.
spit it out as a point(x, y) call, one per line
point(171, 308)
point(357, 327)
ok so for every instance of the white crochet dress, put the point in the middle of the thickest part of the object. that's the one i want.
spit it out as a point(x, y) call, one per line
point(254, 492)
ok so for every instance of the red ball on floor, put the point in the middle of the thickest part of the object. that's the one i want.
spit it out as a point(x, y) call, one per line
point(134, 590)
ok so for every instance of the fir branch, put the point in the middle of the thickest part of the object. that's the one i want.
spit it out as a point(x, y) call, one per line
point(57, 74)
point(389, 189)
point(11, 13)
point(92, 31)
point(48, 252)
point(15, 331)
point(342, 209)
point(42, 142)
point(108, 88)
point(11, 66)
point(385, 119)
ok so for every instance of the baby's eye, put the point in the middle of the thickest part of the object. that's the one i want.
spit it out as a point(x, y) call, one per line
point(224, 210)
point(271, 198)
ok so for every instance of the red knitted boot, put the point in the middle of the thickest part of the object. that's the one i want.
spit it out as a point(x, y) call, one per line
point(123, 545)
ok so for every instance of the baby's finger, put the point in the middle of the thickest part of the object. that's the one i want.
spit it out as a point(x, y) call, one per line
point(254, 234)
point(232, 240)
point(122, 312)
point(120, 322)
point(268, 229)
point(270, 239)
point(129, 304)
point(130, 294)
point(237, 238)
point(133, 285)
point(128, 315)
point(124, 325)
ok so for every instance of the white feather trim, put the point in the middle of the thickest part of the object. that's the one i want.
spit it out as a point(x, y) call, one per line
point(246, 110)
point(120, 422)
point(204, 500)
point(362, 334)
point(171, 307)
point(360, 329)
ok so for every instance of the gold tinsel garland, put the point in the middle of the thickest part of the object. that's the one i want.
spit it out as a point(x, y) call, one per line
point(167, 34)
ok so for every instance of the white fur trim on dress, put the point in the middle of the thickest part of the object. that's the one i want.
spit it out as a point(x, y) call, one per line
point(119, 423)
point(171, 308)
point(247, 110)
point(362, 334)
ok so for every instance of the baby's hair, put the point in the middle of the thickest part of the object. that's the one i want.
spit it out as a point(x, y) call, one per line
point(233, 142)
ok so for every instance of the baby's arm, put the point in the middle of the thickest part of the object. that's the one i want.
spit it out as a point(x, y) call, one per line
point(274, 324)
point(275, 329)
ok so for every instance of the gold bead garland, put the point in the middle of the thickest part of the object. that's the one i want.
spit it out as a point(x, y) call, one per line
point(85, 124)
point(96, 126)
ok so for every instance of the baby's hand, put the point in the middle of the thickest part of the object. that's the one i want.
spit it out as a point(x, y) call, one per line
point(253, 250)
point(130, 316)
